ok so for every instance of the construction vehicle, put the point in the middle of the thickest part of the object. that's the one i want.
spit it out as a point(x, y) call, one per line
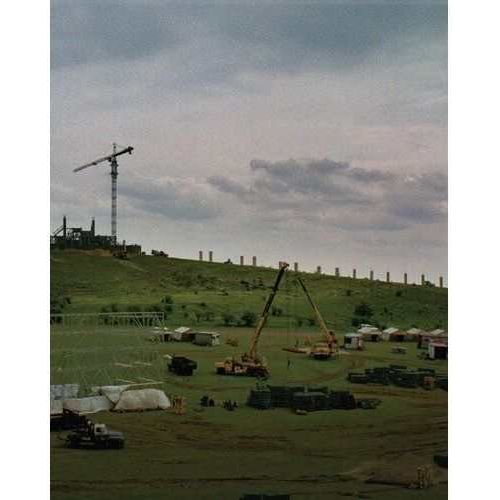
point(182, 366)
point(96, 436)
point(328, 347)
point(251, 364)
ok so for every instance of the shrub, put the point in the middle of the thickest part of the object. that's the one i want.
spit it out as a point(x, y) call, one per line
point(363, 310)
point(167, 299)
point(311, 321)
point(348, 293)
point(399, 293)
point(228, 319)
point(248, 318)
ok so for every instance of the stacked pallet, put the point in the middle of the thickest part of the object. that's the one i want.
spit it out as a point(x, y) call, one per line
point(260, 399)
point(400, 376)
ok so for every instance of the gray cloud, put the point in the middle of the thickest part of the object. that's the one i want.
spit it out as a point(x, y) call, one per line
point(352, 198)
point(173, 198)
point(271, 38)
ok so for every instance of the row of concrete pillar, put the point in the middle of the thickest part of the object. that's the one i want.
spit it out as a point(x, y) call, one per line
point(318, 270)
point(211, 258)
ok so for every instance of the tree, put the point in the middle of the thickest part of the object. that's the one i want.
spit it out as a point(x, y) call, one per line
point(248, 318)
point(229, 319)
point(363, 310)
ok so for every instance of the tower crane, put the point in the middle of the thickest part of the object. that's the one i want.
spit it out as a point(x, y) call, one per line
point(112, 159)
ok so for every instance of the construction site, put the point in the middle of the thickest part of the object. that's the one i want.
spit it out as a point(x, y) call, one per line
point(179, 378)
point(247, 383)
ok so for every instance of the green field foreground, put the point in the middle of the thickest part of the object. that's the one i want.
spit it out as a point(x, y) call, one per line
point(203, 293)
point(211, 453)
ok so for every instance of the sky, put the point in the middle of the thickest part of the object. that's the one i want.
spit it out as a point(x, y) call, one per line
point(309, 132)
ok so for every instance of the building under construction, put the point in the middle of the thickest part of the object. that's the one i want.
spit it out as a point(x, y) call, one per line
point(77, 238)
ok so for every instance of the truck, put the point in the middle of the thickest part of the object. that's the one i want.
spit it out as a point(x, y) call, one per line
point(96, 436)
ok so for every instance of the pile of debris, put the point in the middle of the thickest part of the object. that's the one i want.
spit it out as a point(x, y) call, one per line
point(400, 376)
point(305, 399)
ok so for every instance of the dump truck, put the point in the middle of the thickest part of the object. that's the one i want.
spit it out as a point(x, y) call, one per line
point(96, 436)
point(250, 364)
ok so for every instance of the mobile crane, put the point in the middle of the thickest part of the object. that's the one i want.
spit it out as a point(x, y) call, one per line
point(250, 364)
point(328, 347)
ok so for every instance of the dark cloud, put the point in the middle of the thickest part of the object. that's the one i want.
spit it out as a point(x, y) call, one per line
point(337, 194)
point(275, 37)
point(95, 31)
point(227, 185)
point(177, 199)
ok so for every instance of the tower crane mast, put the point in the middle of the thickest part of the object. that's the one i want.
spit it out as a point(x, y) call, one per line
point(112, 159)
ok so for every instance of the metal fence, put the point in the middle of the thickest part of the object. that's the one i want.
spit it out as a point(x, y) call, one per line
point(138, 319)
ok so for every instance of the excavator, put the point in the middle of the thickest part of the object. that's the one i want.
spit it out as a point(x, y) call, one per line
point(250, 364)
point(328, 347)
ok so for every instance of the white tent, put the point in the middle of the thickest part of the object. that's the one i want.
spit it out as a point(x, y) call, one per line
point(91, 404)
point(112, 392)
point(142, 399)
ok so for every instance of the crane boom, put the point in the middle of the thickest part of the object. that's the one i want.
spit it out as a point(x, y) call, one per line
point(321, 321)
point(104, 158)
point(252, 353)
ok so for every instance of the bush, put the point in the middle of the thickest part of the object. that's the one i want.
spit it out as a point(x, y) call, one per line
point(300, 322)
point(167, 299)
point(229, 319)
point(348, 293)
point(276, 311)
point(363, 310)
point(399, 293)
point(248, 318)
point(311, 321)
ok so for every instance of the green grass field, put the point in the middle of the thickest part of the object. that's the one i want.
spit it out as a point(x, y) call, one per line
point(216, 454)
point(94, 282)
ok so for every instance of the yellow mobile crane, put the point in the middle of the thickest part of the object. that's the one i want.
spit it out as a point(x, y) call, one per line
point(327, 348)
point(250, 364)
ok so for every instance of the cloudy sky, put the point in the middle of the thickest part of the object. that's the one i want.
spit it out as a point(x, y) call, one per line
point(302, 131)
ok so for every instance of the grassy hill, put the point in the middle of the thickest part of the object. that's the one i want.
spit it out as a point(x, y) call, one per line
point(211, 294)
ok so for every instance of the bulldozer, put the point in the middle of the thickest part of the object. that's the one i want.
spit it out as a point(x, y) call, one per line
point(250, 364)
point(328, 347)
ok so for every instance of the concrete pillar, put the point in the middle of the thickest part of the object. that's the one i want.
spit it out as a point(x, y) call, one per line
point(441, 282)
point(354, 274)
point(371, 275)
point(210, 256)
point(254, 260)
point(388, 277)
point(318, 269)
point(422, 280)
point(405, 278)
point(295, 266)
point(337, 272)
point(200, 255)
point(242, 260)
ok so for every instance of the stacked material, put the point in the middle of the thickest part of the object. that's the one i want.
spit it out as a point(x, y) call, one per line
point(260, 399)
point(368, 403)
point(300, 398)
point(310, 401)
point(400, 376)
point(341, 400)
